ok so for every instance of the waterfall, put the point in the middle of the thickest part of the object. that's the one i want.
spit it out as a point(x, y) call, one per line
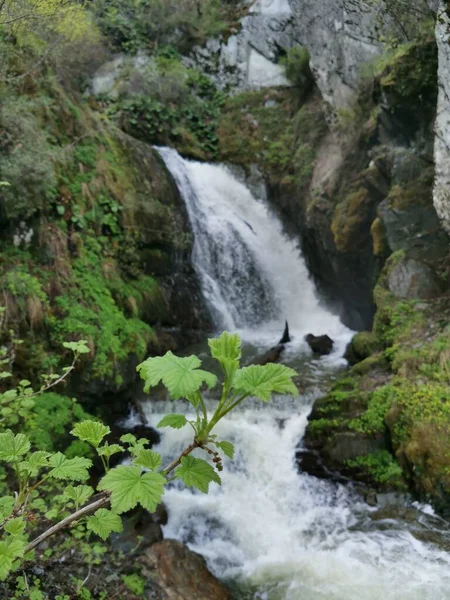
point(253, 276)
point(279, 534)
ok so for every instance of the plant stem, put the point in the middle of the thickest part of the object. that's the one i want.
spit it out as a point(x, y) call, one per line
point(92, 507)
point(170, 467)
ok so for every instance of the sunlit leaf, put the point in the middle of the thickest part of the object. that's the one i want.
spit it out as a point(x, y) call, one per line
point(196, 472)
point(148, 459)
point(261, 381)
point(103, 522)
point(227, 350)
point(174, 420)
point(180, 375)
point(72, 469)
point(92, 432)
point(130, 486)
point(13, 447)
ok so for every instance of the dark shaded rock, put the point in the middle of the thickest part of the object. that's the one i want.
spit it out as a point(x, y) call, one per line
point(141, 529)
point(320, 344)
point(311, 462)
point(180, 573)
point(410, 279)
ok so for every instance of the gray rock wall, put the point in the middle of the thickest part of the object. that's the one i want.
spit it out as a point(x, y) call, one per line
point(442, 126)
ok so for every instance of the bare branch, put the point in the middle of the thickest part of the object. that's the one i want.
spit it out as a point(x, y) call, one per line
point(86, 510)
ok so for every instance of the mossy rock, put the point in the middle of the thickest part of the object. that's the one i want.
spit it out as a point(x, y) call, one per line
point(363, 345)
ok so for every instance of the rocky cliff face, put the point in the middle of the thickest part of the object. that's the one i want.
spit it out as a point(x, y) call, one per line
point(340, 35)
point(442, 127)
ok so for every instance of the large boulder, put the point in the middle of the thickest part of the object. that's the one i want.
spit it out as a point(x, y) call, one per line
point(180, 573)
point(410, 278)
point(320, 344)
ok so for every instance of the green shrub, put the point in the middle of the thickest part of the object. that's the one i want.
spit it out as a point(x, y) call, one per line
point(296, 63)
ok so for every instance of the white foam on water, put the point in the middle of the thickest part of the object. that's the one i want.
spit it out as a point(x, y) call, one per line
point(293, 536)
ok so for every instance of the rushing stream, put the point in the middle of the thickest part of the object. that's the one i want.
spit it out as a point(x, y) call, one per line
point(278, 534)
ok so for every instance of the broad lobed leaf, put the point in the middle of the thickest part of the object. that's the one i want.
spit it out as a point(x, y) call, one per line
point(72, 469)
point(149, 459)
point(130, 486)
point(196, 472)
point(261, 381)
point(80, 494)
point(13, 447)
point(174, 420)
point(180, 375)
point(92, 432)
point(104, 522)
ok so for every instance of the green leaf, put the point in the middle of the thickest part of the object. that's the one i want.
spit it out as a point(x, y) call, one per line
point(227, 350)
point(92, 432)
point(103, 522)
point(226, 447)
point(194, 398)
point(6, 507)
point(261, 381)
point(109, 449)
point(5, 375)
point(80, 494)
point(35, 462)
point(12, 447)
point(181, 376)
point(129, 486)
point(197, 472)
point(15, 527)
point(10, 550)
point(148, 459)
point(72, 469)
point(173, 420)
point(128, 438)
point(79, 347)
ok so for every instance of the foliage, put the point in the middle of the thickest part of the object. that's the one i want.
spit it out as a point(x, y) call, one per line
point(296, 63)
point(149, 23)
point(168, 103)
point(381, 465)
point(142, 481)
point(266, 127)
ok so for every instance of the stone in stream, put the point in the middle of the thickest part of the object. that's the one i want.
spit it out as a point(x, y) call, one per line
point(180, 574)
point(320, 344)
point(274, 353)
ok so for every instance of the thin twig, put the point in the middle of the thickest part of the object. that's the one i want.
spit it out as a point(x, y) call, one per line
point(177, 462)
point(92, 507)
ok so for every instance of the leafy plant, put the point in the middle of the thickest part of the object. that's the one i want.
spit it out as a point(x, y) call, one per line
point(142, 481)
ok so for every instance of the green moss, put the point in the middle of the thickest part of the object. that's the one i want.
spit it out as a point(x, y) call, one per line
point(318, 426)
point(379, 240)
point(381, 466)
point(88, 311)
point(349, 215)
point(266, 128)
point(408, 81)
point(369, 364)
point(373, 420)
point(365, 343)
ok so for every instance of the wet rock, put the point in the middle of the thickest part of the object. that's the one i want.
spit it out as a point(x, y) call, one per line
point(320, 344)
point(180, 573)
point(410, 279)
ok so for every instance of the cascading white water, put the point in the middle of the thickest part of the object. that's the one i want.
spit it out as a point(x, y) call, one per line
point(253, 276)
point(287, 535)
point(290, 535)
